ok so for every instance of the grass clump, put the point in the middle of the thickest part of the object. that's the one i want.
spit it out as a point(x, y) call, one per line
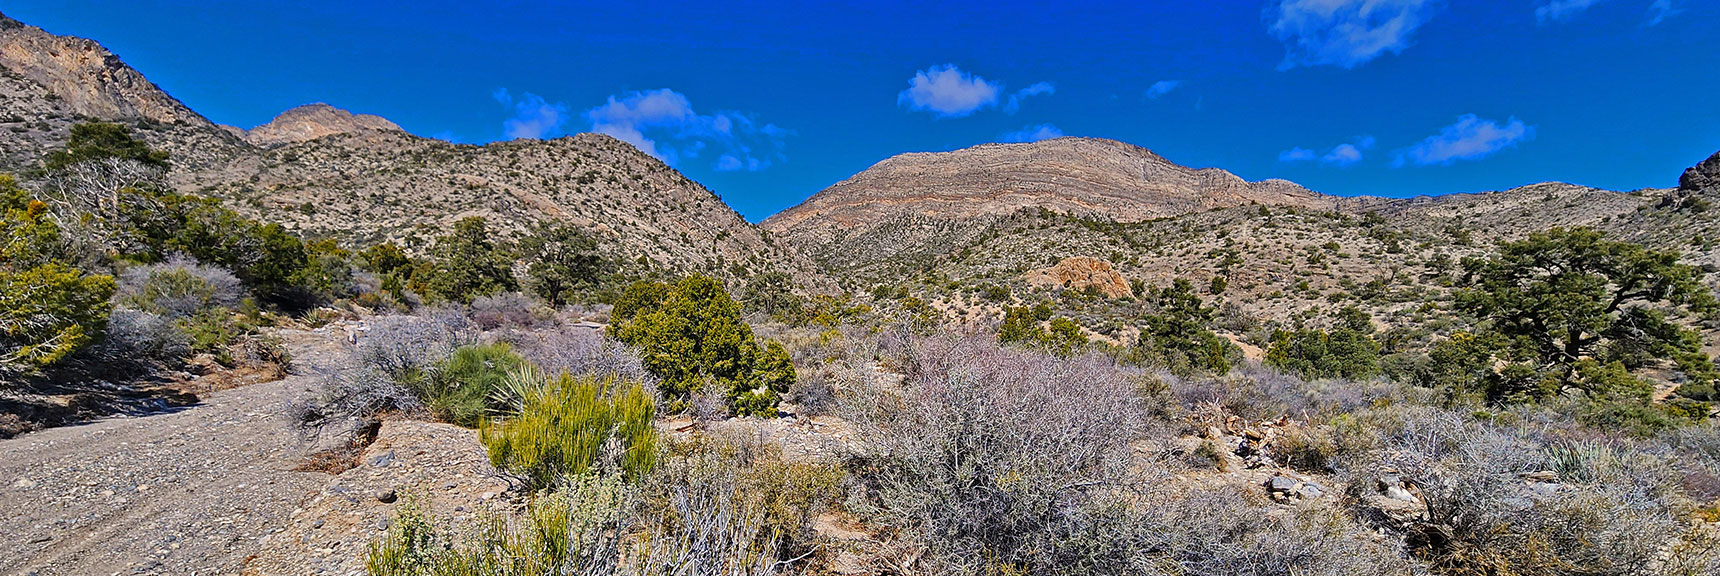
point(568, 424)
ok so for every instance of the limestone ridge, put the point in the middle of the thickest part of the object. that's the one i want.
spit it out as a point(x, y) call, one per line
point(1087, 176)
point(313, 121)
point(920, 198)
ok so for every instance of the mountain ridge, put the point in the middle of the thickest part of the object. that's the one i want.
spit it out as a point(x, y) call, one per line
point(326, 172)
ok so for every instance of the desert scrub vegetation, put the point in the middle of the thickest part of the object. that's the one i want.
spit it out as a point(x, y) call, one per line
point(715, 506)
point(121, 276)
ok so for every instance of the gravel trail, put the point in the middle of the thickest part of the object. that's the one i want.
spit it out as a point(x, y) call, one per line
point(193, 492)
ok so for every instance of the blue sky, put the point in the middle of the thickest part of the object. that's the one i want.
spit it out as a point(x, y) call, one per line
point(767, 103)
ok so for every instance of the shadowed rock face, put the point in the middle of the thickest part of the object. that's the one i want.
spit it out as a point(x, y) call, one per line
point(1703, 176)
point(313, 121)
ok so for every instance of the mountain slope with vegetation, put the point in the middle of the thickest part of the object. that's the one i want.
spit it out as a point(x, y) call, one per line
point(359, 179)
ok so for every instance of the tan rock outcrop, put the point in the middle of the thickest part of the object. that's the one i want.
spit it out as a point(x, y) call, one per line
point(1081, 273)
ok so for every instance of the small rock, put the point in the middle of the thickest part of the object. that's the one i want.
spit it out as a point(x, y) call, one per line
point(487, 496)
point(1542, 476)
point(383, 460)
point(24, 483)
point(449, 486)
point(1398, 493)
point(386, 496)
point(1387, 482)
point(1282, 484)
point(317, 524)
point(1309, 491)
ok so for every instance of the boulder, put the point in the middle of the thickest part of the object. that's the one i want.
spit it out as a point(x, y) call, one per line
point(1703, 176)
point(1081, 273)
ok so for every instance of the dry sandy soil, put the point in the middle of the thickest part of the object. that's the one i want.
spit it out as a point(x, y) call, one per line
point(194, 491)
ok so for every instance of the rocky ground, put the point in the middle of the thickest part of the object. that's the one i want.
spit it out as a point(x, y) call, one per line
point(193, 491)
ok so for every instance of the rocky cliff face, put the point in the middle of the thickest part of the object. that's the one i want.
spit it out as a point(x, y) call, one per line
point(313, 121)
point(1701, 177)
point(87, 79)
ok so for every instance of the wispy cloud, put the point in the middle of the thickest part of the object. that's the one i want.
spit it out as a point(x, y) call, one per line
point(1561, 10)
point(1036, 89)
point(1345, 33)
point(1342, 155)
point(1297, 154)
point(948, 92)
point(1162, 87)
point(1033, 133)
point(664, 124)
point(1660, 10)
point(1470, 138)
point(533, 117)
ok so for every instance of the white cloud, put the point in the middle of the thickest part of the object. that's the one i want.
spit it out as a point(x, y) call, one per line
point(1162, 87)
point(1297, 154)
point(1660, 10)
point(662, 123)
point(1036, 89)
point(1341, 155)
point(1345, 33)
point(1033, 133)
point(533, 117)
point(1470, 138)
point(948, 92)
point(1561, 10)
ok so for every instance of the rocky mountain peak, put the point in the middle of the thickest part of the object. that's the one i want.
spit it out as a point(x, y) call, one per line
point(1702, 176)
point(313, 121)
point(84, 78)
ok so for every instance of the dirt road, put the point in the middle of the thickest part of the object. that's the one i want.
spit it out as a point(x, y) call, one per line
point(190, 492)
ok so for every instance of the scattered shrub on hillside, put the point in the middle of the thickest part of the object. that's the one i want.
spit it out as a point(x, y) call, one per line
point(48, 309)
point(578, 530)
point(1179, 337)
point(1021, 325)
point(467, 263)
point(1347, 351)
point(507, 309)
point(1036, 436)
point(402, 347)
point(140, 342)
point(581, 353)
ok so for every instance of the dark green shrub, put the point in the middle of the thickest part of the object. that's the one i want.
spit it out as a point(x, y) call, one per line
point(458, 389)
point(1347, 351)
point(691, 333)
